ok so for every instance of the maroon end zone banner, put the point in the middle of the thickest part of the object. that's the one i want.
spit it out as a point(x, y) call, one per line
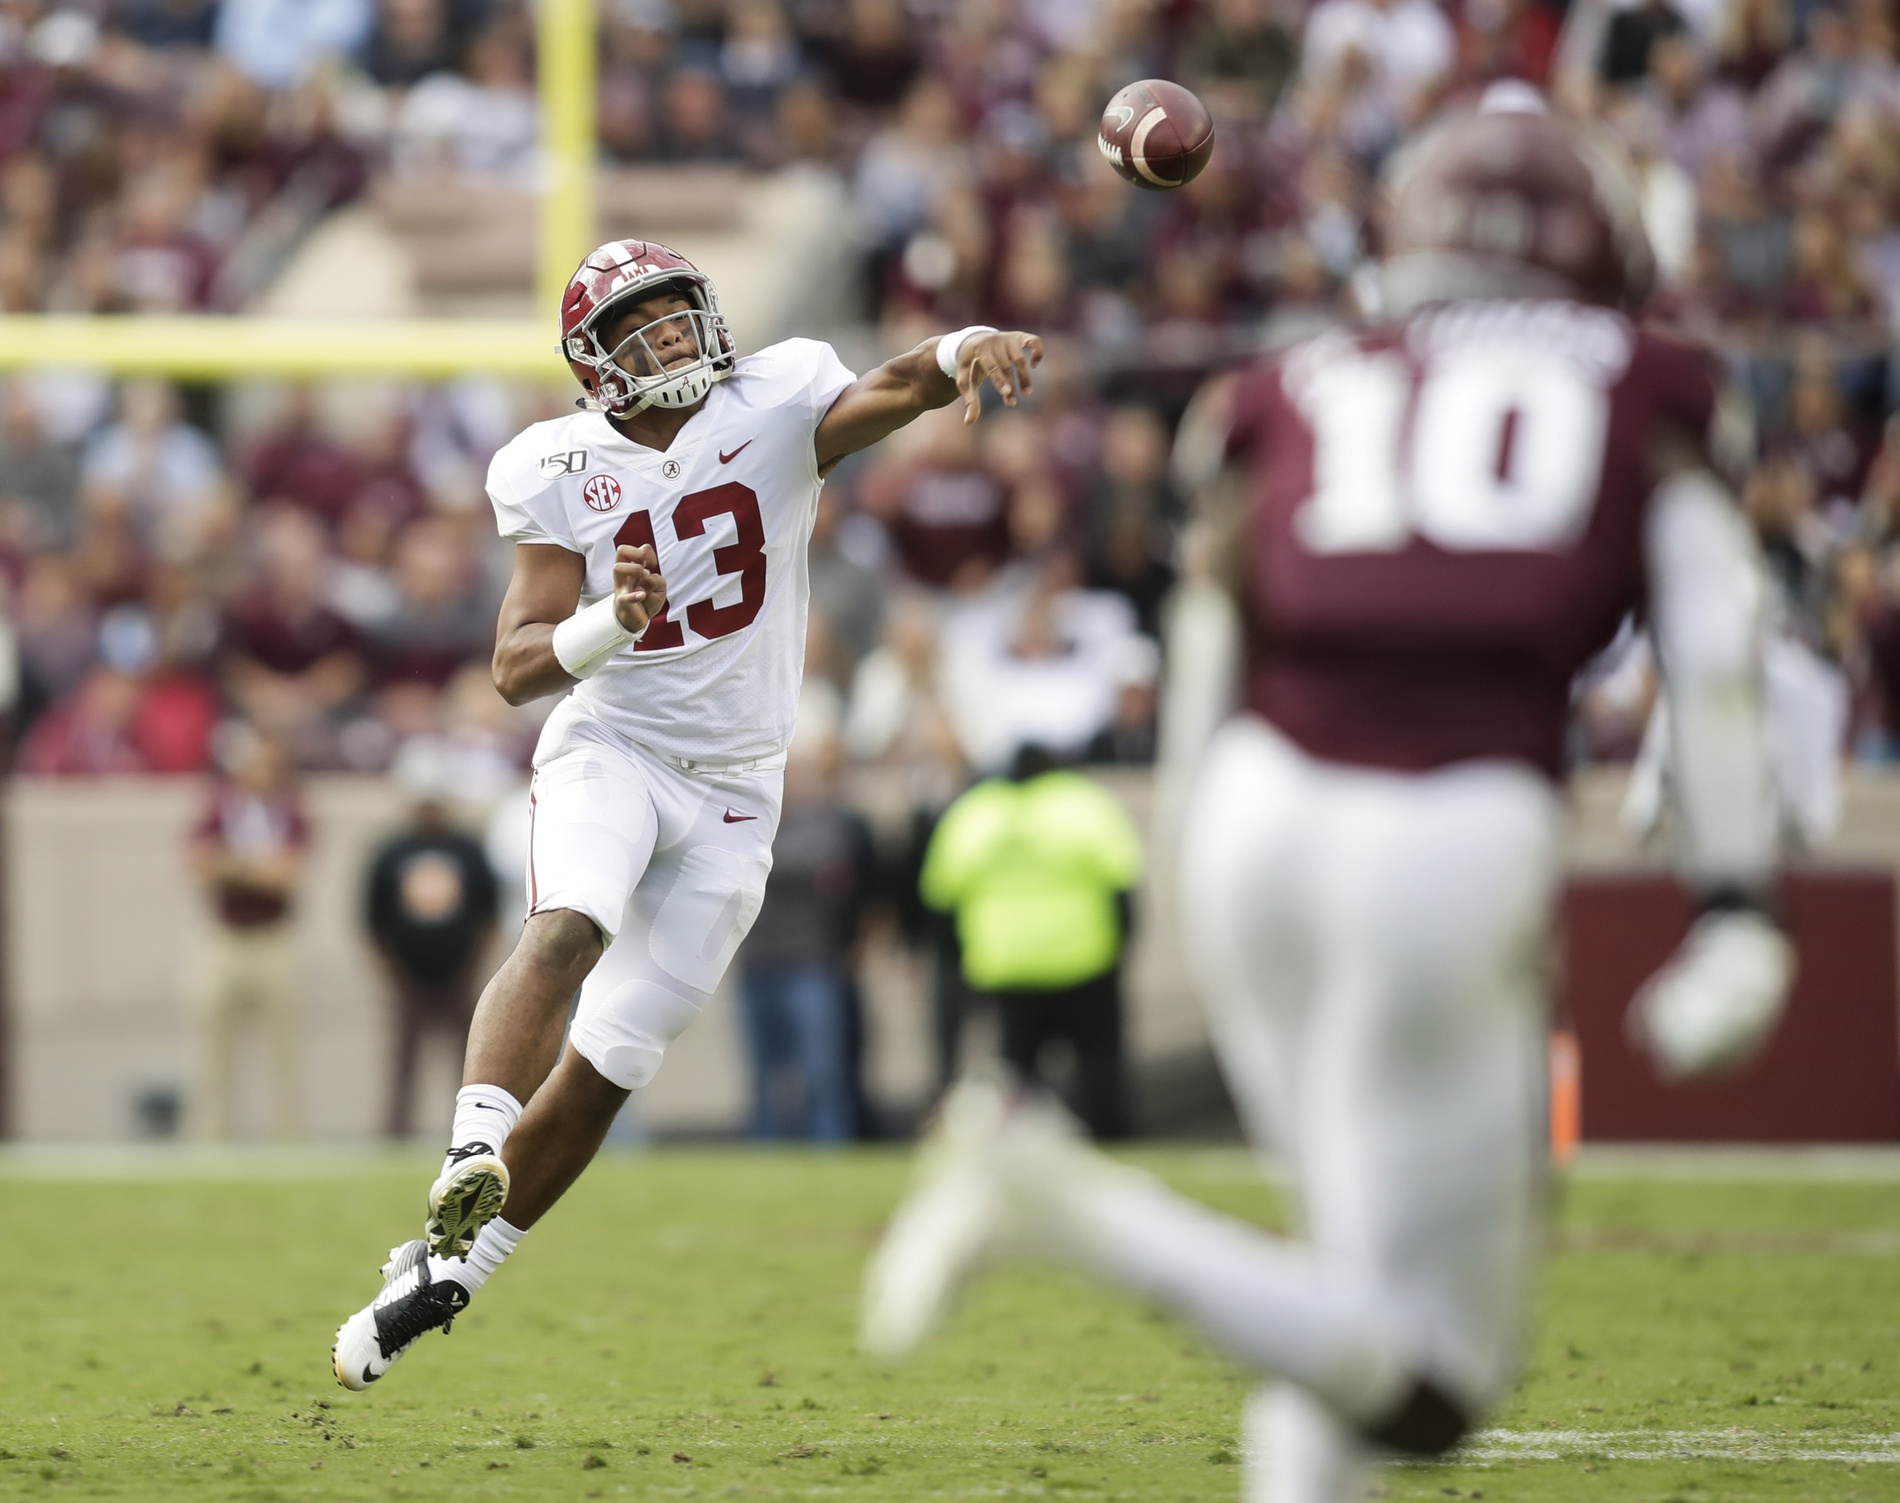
point(1832, 1072)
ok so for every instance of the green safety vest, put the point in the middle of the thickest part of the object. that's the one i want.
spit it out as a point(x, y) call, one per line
point(1032, 871)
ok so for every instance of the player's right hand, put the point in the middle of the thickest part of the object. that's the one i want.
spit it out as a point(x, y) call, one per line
point(639, 591)
point(1712, 1008)
point(1004, 359)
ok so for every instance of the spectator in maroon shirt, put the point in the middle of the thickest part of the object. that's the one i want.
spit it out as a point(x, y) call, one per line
point(948, 514)
point(247, 852)
point(299, 463)
point(286, 658)
point(442, 620)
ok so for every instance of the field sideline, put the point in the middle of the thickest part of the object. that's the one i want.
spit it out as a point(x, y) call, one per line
point(1712, 1328)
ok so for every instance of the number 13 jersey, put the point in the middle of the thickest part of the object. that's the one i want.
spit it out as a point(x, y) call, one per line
point(729, 510)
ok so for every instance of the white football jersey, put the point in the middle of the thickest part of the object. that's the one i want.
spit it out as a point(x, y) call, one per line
point(729, 510)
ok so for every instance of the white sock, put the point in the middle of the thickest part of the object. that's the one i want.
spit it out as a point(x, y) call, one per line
point(1277, 1305)
point(492, 1245)
point(483, 1114)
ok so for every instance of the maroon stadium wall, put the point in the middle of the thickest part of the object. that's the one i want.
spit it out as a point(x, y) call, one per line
point(1832, 1073)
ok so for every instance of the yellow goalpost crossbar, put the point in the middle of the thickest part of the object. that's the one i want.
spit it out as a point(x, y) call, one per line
point(211, 347)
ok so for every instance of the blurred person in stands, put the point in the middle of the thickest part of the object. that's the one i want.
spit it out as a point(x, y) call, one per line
point(896, 719)
point(143, 707)
point(413, 38)
point(36, 469)
point(1038, 868)
point(430, 907)
point(247, 854)
point(795, 982)
point(1240, 53)
point(877, 58)
point(698, 124)
point(57, 626)
point(278, 44)
point(442, 618)
point(845, 585)
point(294, 460)
point(1042, 665)
point(1373, 851)
point(478, 121)
point(1130, 513)
point(157, 471)
point(945, 510)
point(286, 658)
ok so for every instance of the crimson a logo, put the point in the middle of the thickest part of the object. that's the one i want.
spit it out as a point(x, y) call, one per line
point(602, 492)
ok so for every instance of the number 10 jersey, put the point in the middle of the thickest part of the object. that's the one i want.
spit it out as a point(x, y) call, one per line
point(729, 510)
point(1447, 522)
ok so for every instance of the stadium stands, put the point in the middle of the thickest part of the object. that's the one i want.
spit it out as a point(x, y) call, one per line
point(172, 556)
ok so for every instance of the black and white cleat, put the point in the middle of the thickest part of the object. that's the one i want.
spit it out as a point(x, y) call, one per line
point(412, 1303)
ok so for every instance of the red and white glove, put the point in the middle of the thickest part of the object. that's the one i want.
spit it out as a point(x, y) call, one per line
point(1712, 1007)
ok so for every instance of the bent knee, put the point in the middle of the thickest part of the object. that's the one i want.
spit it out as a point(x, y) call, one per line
point(561, 940)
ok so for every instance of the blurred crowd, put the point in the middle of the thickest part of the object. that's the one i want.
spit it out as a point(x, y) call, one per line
point(333, 577)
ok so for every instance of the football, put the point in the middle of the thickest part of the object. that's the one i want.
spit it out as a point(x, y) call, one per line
point(1156, 134)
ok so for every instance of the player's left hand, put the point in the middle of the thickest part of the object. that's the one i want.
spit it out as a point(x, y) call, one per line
point(1713, 1007)
point(639, 591)
point(1004, 360)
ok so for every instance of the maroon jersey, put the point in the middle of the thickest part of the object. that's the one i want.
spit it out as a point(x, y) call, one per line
point(1447, 523)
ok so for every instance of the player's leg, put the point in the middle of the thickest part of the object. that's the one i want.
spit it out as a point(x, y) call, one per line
point(594, 828)
point(1421, 1096)
point(1092, 1021)
point(278, 982)
point(592, 836)
point(1009, 1176)
point(684, 920)
point(816, 1003)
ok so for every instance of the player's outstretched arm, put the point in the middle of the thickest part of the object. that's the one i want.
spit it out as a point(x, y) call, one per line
point(880, 402)
point(1715, 1005)
point(530, 658)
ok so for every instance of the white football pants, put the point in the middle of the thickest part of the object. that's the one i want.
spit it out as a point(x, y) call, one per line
point(1372, 950)
point(668, 860)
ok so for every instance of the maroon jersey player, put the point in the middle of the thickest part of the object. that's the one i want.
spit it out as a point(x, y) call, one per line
point(1428, 528)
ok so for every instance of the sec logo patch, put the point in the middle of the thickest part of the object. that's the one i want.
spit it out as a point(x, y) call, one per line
point(602, 492)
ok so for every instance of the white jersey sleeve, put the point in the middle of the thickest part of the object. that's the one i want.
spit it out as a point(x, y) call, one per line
point(522, 487)
point(803, 374)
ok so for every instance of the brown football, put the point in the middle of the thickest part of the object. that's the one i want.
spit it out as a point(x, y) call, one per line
point(1156, 134)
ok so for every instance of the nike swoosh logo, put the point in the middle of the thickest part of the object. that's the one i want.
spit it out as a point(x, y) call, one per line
point(731, 818)
point(725, 458)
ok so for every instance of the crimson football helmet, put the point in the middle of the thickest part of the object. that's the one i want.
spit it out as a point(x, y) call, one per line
point(1507, 201)
point(630, 376)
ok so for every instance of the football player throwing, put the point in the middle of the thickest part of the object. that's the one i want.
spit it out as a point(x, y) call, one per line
point(1432, 525)
point(660, 576)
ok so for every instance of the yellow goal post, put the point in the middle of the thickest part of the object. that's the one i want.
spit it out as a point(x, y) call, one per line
point(212, 347)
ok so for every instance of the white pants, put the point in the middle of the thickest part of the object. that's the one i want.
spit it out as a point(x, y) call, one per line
point(669, 861)
point(1372, 949)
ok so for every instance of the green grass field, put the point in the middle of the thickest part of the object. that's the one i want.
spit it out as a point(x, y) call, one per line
point(681, 1328)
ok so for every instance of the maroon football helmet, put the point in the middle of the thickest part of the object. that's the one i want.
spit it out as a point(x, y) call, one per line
point(632, 375)
point(1506, 201)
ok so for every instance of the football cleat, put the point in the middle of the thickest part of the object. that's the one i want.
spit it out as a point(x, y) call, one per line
point(993, 1182)
point(465, 1197)
point(412, 1303)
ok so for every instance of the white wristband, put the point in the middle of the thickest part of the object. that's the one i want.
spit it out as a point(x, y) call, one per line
point(587, 639)
point(950, 344)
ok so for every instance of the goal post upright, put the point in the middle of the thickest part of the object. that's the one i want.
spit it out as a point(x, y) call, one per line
point(221, 347)
point(566, 32)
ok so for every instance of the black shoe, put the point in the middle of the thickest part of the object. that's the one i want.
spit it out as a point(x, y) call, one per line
point(412, 1303)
